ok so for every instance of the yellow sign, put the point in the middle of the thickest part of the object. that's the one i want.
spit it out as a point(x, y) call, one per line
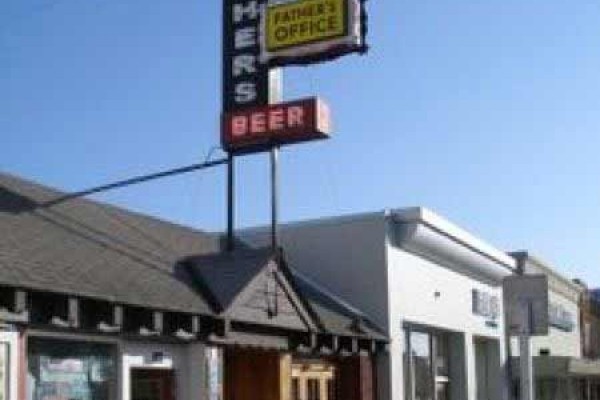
point(305, 22)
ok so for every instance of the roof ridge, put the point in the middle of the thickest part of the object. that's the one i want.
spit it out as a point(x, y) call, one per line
point(99, 203)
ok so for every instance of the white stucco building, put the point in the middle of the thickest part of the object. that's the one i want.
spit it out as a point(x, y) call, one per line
point(436, 288)
point(561, 372)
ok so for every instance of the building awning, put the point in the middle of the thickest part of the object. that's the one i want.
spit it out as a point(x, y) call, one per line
point(560, 367)
point(580, 367)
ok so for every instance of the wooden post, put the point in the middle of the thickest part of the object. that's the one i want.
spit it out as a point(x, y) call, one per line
point(20, 301)
point(196, 325)
point(118, 316)
point(158, 321)
point(73, 312)
point(285, 377)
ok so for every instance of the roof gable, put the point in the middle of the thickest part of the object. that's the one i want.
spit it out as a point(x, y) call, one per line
point(269, 299)
point(251, 286)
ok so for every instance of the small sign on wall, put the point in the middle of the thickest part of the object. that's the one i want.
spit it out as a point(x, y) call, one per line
point(485, 304)
point(561, 318)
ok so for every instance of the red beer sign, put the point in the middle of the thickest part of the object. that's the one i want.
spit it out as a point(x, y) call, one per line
point(257, 129)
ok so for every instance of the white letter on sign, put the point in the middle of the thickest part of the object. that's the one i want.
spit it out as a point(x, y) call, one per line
point(239, 126)
point(295, 116)
point(244, 63)
point(240, 11)
point(245, 92)
point(245, 37)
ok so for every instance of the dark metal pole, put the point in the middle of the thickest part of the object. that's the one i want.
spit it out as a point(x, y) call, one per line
point(230, 203)
point(133, 181)
point(274, 198)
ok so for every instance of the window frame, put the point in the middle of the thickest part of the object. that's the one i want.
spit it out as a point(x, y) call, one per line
point(435, 378)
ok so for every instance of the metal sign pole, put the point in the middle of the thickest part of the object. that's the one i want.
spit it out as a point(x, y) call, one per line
point(230, 202)
point(275, 198)
point(526, 362)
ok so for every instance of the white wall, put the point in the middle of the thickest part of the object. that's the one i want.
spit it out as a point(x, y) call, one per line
point(425, 293)
point(187, 361)
point(11, 338)
point(351, 257)
point(345, 255)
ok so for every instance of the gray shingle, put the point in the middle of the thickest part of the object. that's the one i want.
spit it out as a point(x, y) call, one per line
point(91, 249)
point(224, 275)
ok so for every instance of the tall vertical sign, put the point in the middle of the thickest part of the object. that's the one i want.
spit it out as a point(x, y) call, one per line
point(259, 35)
point(246, 81)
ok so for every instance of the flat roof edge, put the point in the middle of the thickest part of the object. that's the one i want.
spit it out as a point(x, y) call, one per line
point(424, 216)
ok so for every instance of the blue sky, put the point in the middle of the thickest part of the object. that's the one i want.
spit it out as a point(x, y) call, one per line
point(485, 111)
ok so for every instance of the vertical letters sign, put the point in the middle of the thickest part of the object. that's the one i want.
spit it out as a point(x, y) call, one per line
point(245, 80)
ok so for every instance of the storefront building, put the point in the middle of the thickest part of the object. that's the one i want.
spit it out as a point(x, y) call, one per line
point(435, 288)
point(99, 303)
point(561, 369)
point(590, 338)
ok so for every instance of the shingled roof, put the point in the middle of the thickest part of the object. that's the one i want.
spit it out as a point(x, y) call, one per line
point(91, 249)
point(87, 248)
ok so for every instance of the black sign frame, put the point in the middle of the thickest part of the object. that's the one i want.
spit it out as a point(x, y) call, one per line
point(246, 82)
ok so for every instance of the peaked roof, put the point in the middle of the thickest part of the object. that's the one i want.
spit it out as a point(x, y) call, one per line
point(91, 249)
point(86, 248)
point(336, 316)
point(223, 276)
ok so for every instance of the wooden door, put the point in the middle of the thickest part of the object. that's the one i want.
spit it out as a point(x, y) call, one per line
point(152, 384)
point(252, 375)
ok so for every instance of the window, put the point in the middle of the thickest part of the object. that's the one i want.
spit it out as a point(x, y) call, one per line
point(427, 365)
point(421, 365)
point(331, 389)
point(313, 380)
point(313, 389)
point(65, 370)
point(295, 389)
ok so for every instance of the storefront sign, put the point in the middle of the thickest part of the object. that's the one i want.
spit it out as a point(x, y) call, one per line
point(308, 31)
point(526, 300)
point(246, 82)
point(561, 318)
point(257, 129)
point(485, 304)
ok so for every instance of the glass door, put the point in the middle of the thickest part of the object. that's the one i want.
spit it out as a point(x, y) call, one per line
point(426, 365)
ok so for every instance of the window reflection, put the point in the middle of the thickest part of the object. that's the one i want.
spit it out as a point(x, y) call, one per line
point(427, 366)
point(61, 370)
